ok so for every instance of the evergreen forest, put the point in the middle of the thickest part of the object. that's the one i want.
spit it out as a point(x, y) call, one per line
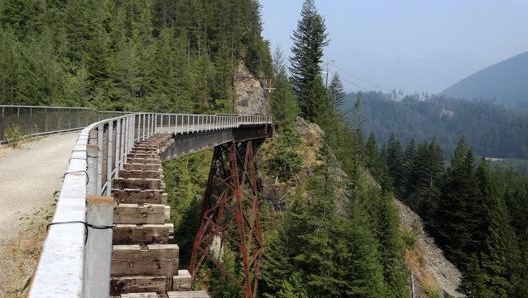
point(490, 129)
point(476, 214)
point(170, 56)
point(331, 227)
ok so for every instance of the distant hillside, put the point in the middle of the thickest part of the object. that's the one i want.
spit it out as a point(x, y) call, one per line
point(489, 129)
point(505, 83)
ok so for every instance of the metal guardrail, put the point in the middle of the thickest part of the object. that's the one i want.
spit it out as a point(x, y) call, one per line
point(71, 258)
point(18, 121)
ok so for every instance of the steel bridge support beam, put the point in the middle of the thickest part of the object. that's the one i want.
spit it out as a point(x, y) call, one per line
point(231, 214)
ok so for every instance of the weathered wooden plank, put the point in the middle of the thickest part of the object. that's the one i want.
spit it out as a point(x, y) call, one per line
point(144, 160)
point(152, 259)
point(145, 154)
point(151, 149)
point(182, 281)
point(135, 284)
point(142, 234)
point(188, 294)
point(139, 196)
point(147, 147)
point(152, 174)
point(140, 295)
point(142, 166)
point(138, 183)
point(141, 213)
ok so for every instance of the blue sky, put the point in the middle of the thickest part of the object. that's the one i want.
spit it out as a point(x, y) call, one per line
point(413, 45)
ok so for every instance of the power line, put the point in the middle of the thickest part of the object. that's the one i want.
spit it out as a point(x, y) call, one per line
point(376, 86)
point(356, 84)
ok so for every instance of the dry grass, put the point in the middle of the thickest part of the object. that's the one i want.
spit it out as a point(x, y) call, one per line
point(19, 257)
point(415, 262)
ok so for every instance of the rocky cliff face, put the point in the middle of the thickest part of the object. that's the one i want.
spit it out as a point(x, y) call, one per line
point(430, 269)
point(250, 96)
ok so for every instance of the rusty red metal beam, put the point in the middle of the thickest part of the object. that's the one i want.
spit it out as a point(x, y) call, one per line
point(231, 211)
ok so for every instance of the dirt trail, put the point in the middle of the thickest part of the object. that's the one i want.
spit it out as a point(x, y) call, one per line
point(29, 175)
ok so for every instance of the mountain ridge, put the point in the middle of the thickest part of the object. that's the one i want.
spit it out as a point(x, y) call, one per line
point(505, 83)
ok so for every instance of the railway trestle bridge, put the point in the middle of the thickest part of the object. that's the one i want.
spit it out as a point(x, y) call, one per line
point(110, 234)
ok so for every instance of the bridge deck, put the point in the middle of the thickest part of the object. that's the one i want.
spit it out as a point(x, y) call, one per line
point(28, 178)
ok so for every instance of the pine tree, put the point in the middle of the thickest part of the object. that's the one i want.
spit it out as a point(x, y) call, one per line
point(336, 92)
point(455, 221)
point(374, 162)
point(393, 156)
point(283, 104)
point(425, 178)
point(309, 39)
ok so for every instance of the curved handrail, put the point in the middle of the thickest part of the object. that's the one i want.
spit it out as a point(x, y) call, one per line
point(98, 155)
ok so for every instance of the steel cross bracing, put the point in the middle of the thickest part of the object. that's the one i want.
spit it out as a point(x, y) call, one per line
point(231, 214)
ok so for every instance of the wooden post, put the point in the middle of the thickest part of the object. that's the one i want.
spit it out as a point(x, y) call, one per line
point(100, 213)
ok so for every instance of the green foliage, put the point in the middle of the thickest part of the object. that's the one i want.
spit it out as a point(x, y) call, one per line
point(309, 40)
point(185, 180)
point(336, 246)
point(293, 287)
point(286, 160)
point(490, 129)
point(336, 92)
point(283, 103)
point(472, 211)
point(219, 284)
point(170, 56)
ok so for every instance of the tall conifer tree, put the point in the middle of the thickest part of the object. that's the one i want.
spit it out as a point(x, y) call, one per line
point(309, 40)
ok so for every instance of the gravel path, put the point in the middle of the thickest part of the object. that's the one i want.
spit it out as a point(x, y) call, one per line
point(29, 176)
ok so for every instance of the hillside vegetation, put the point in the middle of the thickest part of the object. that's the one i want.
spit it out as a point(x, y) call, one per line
point(490, 130)
point(506, 83)
point(476, 214)
point(167, 56)
point(331, 226)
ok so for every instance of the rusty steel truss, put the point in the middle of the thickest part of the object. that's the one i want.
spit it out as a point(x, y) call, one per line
point(231, 216)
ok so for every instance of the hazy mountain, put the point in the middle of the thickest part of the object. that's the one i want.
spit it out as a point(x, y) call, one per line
point(430, 74)
point(506, 83)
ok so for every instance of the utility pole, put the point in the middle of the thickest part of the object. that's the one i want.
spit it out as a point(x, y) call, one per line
point(327, 72)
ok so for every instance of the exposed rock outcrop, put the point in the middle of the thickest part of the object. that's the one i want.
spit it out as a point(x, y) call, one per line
point(430, 269)
point(249, 93)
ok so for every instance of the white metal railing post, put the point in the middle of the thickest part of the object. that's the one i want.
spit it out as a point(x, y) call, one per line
point(132, 137)
point(100, 144)
point(126, 132)
point(92, 162)
point(147, 132)
point(139, 127)
point(144, 127)
point(122, 148)
point(152, 124)
point(142, 130)
point(118, 145)
point(155, 120)
point(109, 158)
